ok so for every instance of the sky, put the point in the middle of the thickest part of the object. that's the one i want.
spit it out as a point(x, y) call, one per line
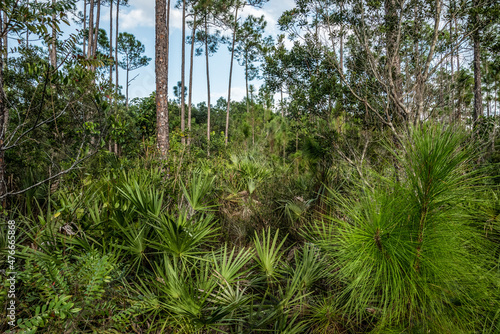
point(138, 19)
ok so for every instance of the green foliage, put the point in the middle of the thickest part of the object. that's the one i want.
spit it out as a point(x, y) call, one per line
point(197, 190)
point(58, 308)
point(60, 291)
point(182, 236)
point(409, 253)
point(268, 254)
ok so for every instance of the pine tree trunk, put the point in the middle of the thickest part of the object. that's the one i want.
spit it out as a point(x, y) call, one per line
point(208, 86)
point(161, 69)
point(253, 119)
point(110, 42)
point(452, 52)
point(116, 49)
point(496, 96)
point(342, 39)
point(4, 118)
point(459, 105)
point(231, 75)
point(126, 88)
point(183, 69)
point(5, 40)
point(284, 125)
point(84, 27)
point(53, 54)
point(96, 31)
point(190, 90)
point(91, 30)
point(478, 97)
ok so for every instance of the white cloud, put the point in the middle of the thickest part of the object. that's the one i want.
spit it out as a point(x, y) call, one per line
point(136, 18)
point(142, 14)
point(237, 94)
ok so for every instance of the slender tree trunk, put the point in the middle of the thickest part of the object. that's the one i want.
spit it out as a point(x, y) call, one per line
point(96, 31)
point(459, 104)
point(91, 30)
point(208, 86)
point(5, 39)
point(183, 70)
point(231, 74)
point(190, 90)
point(496, 96)
point(111, 57)
point(478, 96)
point(110, 147)
point(84, 27)
point(246, 83)
point(116, 48)
point(284, 125)
point(451, 88)
point(161, 69)
point(111, 41)
point(342, 38)
point(4, 118)
point(253, 117)
point(116, 65)
point(53, 54)
point(126, 88)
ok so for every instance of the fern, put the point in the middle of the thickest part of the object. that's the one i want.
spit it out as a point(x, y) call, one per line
point(58, 308)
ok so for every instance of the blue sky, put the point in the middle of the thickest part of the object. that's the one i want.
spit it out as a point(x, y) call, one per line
point(138, 19)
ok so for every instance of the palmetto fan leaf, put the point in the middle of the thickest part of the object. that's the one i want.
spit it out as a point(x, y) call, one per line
point(197, 189)
point(268, 253)
point(181, 237)
point(146, 200)
point(188, 293)
point(228, 264)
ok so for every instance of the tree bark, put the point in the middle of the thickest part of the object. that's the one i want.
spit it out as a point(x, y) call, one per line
point(478, 96)
point(110, 57)
point(4, 116)
point(451, 86)
point(5, 39)
point(91, 30)
point(190, 90)
point(459, 104)
point(284, 125)
point(208, 86)
point(183, 70)
point(161, 69)
point(84, 27)
point(116, 65)
point(231, 75)
point(110, 41)
point(96, 31)
point(253, 117)
point(126, 85)
point(53, 54)
point(342, 39)
point(116, 48)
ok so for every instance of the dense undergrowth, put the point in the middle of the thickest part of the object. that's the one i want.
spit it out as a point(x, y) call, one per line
point(248, 243)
